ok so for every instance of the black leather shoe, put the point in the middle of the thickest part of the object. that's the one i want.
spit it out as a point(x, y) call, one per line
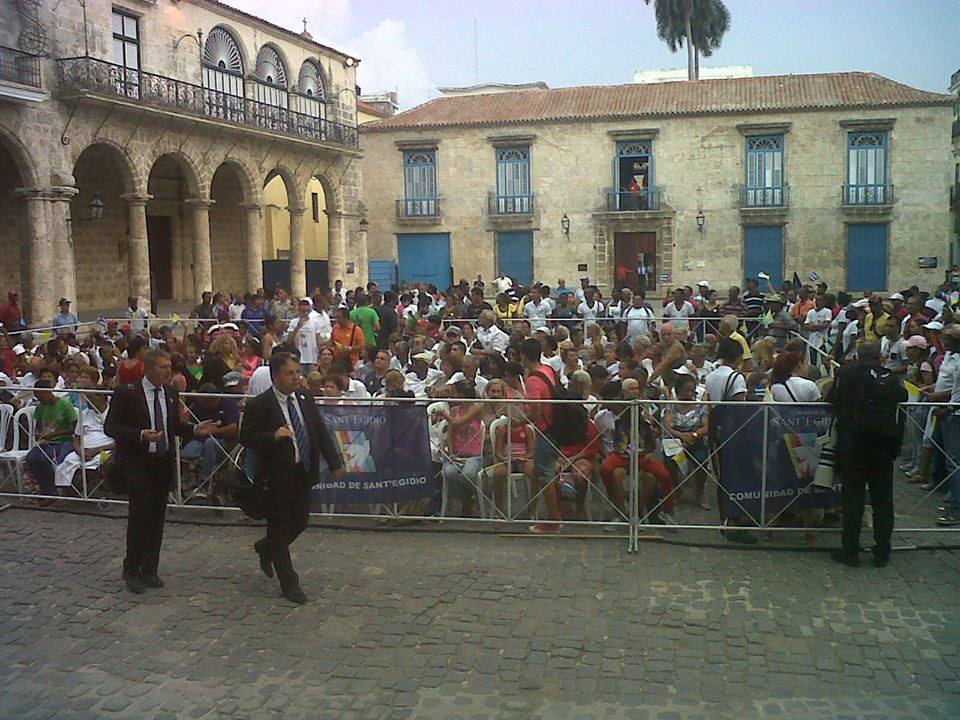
point(152, 581)
point(266, 564)
point(295, 595)
point(844, 558)
point(134, 584)
point(880, 560)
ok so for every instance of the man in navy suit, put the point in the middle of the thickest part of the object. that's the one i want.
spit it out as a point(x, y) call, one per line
point(292, 446)
point(144, 419)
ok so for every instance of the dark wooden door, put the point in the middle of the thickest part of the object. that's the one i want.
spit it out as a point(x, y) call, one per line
point(161, 256)
point(635, 260)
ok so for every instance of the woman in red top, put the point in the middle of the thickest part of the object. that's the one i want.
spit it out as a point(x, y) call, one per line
point(519, 450)
point(130, 368)
point(576, 466)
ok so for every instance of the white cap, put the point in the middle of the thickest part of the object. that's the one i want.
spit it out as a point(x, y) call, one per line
point(703, 283)
point(456, 377)
point(895, 296)
point(426, 356)
point(934, 325)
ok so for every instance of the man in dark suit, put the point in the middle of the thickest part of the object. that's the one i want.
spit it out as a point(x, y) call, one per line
point(144, 418)
point(292, 445)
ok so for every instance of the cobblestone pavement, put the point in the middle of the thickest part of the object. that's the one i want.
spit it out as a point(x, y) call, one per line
point(459, 625)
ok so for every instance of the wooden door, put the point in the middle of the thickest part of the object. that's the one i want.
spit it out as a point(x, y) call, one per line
point(161, 257)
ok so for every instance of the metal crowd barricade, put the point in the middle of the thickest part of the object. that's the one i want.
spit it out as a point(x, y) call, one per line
point(637, 521)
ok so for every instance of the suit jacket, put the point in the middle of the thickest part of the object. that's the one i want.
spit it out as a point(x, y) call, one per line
point(128, 416)
point(261, 419)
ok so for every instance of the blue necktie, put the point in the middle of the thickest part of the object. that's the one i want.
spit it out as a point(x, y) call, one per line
point(300, 432)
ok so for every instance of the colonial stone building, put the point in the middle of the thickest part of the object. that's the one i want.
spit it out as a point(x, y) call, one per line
point(136, 138)
point(844, 175)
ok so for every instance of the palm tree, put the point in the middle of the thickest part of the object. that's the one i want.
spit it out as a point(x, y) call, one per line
point(710, 22)
point(699, 25)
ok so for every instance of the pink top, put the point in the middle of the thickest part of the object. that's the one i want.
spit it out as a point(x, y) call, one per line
point(467, 440)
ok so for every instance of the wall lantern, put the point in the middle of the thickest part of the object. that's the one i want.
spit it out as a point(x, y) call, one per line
point(96, 213)
point(700, 220)
point(565, 224)
point(364, 224)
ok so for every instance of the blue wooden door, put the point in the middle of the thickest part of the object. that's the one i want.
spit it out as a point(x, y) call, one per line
point(515, 256)
point(763, 252)
point(424, 258)
point(383, 273)
point(866, 256)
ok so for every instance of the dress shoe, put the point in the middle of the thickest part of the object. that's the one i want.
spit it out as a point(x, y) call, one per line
point(134, 584)
point(152, 581)
point(266, 565)
point(843, 557)
point(881, 560)
point(295, 595)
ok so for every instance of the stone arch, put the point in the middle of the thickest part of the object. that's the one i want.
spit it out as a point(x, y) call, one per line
point(134, 180)
point(331, 191)
point(252, 190)
point(21, 157)
point(295, 188)
point(193, 176)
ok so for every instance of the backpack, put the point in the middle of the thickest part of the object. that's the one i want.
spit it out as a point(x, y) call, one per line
point(873, 413)
point(569, 424)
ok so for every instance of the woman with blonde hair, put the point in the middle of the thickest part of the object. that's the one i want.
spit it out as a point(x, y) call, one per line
point(221, 357)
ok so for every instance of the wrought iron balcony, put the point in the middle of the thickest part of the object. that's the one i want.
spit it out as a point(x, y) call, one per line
point(19, 67)
point(633, 200)
point(507, 205)
point(98, 77)
point(771, 196)
point(421, 208)
point(866, 195)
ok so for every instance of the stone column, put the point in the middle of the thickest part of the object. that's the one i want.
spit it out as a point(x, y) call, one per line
point(298, 253)
point(36, 258)
point(336, 248)
point(61, 231)
point(202, 264)
point(138, 249)
point(255, 232)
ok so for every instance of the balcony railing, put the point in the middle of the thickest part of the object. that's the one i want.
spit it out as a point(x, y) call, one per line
point(633, 200)
point(422, 208)
point(510, 204)
point(19, 67)
point(98, 77)
point(867, 194)
point(772, 196)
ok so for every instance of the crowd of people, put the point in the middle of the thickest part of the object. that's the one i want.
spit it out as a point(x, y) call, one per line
point(674, 354)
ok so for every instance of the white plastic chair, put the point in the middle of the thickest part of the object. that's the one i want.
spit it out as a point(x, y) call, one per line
point(16, 456)
point(6, 413)
point(513, 476)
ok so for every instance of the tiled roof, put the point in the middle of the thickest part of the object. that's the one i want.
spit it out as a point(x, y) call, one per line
point(365, 107)
point(775, 93)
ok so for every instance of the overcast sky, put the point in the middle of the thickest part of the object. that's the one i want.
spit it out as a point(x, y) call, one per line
point(415, 46)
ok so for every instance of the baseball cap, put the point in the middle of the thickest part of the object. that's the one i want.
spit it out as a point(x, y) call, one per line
point(585, 277)
point(937, 325)
point(453, 330)
point(456, 377)
point(774, 298)
point(896, 296)
point(232, 379)
point(917, 341)
point(426, 356)
point(703, 283)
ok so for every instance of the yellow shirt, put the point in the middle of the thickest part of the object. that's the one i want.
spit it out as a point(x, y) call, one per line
point(747, 355)
point(874, 329)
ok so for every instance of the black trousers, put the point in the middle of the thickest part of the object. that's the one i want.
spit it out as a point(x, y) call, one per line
point(288, 510)
point(147, 511)
point(862, 468)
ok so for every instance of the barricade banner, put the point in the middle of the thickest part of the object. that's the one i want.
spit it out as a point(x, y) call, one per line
point(385, 451)
point(796, 436)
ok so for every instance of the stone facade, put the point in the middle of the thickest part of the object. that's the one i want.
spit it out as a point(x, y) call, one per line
point(182, 188)
point(698, 167)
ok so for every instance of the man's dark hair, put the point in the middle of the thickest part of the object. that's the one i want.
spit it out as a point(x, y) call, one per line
point(43, 385)
point(288, 348)
point(729, 350)
point(389, 297)
point(361, 299)
point(611, 391)
point(278, 360)
point(869, 353)
point(552, 343)
point(531, 350)
point(135, 345)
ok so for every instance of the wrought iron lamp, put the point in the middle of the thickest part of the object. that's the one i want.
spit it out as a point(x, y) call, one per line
point(565, 224)
point(700, 220)
point(96, 213)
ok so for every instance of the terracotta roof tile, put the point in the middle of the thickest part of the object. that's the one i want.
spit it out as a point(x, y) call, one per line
point(775, 93)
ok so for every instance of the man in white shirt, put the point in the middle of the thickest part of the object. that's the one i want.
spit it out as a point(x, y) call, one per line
point(422, 374)
point(491, 339)
point(639, 318)
point(502, 283)
point(726, 382)
point(537, 310)
point(590, 309)
point(679, 310)
point(304, 332)
point(136, 315)
point(817, 323)
point(322, 319)
point(236, 308)
point(581, 292)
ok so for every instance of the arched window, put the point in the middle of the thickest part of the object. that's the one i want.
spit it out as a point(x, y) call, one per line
point(311, 101)
point(270, 90)
point(223, 76)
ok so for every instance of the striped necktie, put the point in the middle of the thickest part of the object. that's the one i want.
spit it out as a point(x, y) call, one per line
point(300, 432)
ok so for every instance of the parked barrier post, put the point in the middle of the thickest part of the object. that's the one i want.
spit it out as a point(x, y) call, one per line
point(633, 480)
point(83, 451)
point(763, 467)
